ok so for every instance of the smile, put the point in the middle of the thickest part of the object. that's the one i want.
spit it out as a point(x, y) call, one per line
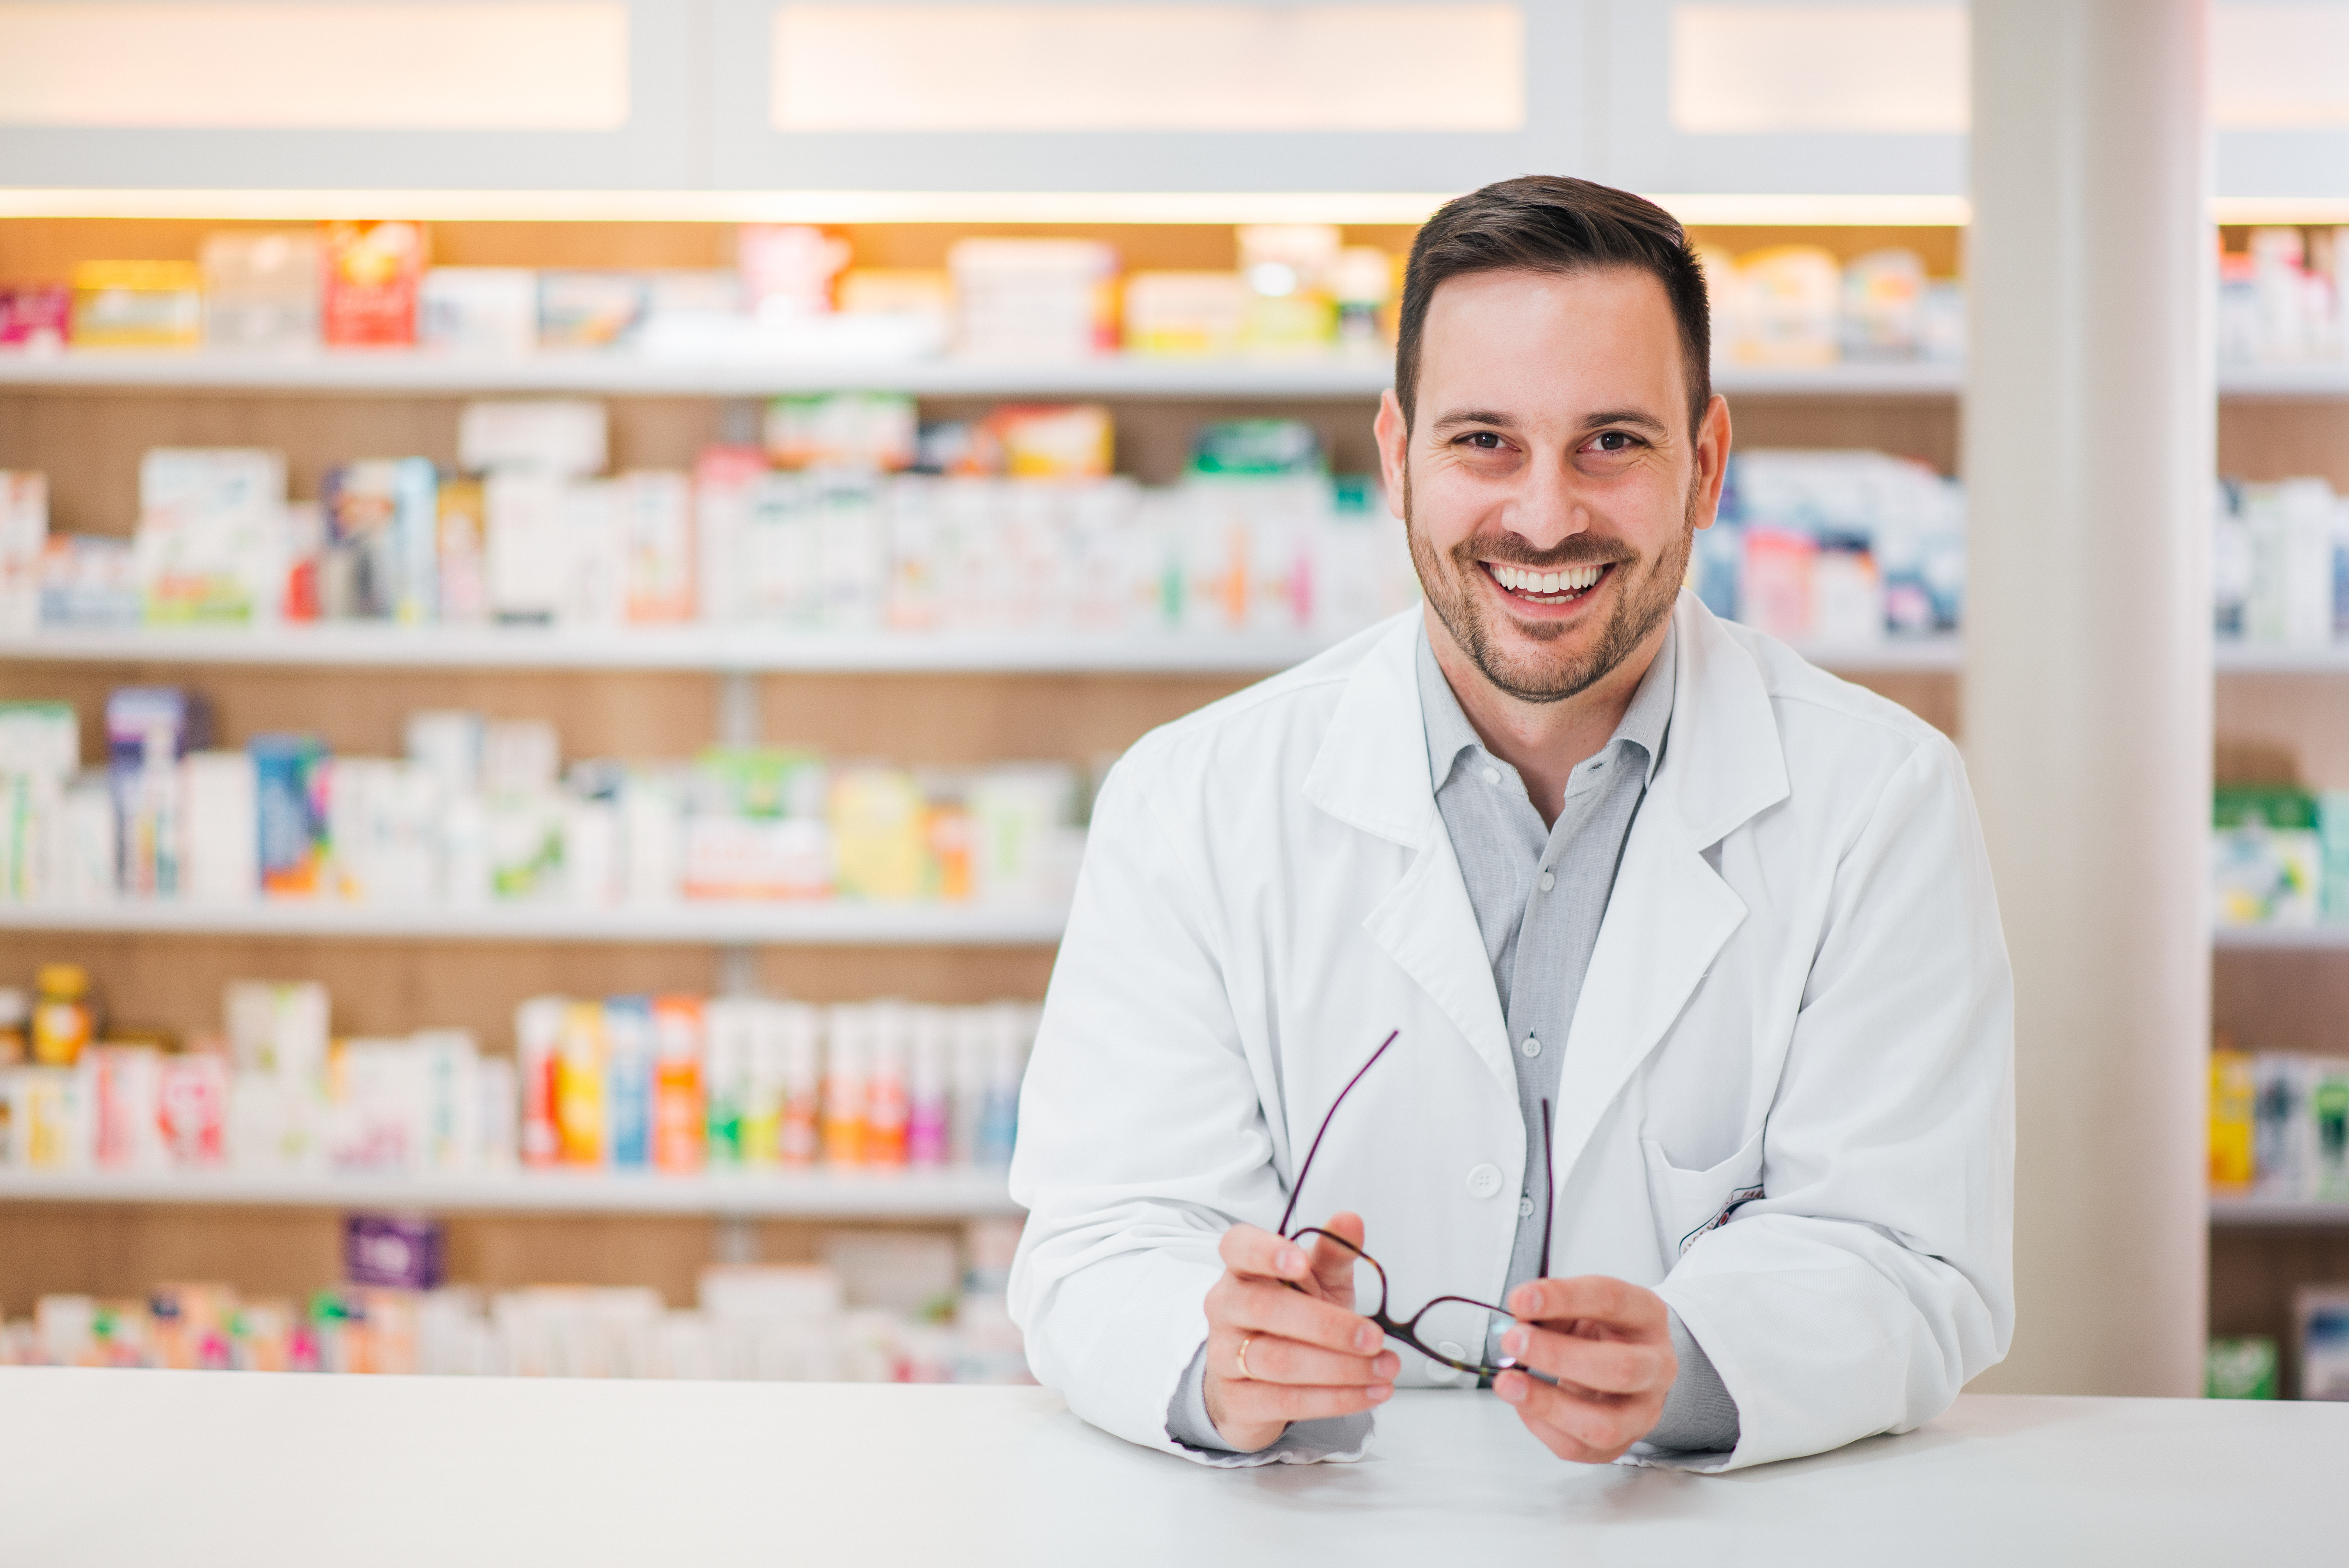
point(1561, 587)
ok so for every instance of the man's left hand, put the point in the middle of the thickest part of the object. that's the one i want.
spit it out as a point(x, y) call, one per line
point(1608, 1345)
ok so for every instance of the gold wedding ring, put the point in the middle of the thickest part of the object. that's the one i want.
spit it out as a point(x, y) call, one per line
point(1242, 1356)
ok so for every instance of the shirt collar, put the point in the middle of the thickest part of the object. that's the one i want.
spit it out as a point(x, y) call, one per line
point(1644, 723)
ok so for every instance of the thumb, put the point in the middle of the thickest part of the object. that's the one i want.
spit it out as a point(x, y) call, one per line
point(1333, 1265)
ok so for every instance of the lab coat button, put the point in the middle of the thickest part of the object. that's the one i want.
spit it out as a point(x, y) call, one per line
point(1482, 1182)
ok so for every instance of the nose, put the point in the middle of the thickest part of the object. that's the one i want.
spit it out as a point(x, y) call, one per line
point(1546, 511)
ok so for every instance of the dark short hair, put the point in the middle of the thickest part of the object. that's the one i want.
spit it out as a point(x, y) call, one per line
point(1547, 223)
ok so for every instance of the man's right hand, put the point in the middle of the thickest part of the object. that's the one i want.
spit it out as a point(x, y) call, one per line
point(1309, 1354)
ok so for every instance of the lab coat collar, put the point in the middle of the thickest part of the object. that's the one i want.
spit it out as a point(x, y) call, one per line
point(1669, 912)
point(1724, 762)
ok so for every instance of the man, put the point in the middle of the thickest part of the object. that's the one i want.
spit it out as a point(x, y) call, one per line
point(1597, 965)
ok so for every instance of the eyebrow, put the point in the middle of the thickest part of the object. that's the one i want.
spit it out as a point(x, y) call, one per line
point(1627, 416)
point(1474, 416)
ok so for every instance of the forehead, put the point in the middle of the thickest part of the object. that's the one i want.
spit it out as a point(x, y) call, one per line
point(1600, 337)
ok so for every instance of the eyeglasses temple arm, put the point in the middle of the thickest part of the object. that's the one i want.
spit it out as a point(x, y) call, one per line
point(1298, 1186)
point(1549, 1194)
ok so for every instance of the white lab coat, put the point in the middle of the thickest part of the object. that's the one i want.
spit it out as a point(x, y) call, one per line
point(1798, 1014)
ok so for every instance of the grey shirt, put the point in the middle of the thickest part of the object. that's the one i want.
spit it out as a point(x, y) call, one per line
point(1539, 894)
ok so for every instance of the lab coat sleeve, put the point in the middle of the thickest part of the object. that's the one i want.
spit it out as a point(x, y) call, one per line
point(1874, 1276)
point(1142, 1136)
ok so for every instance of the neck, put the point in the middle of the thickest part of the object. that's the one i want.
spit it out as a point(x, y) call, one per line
point(1543, 741)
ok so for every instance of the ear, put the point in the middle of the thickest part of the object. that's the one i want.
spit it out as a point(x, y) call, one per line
point(1712, 459)
point(1394, 449)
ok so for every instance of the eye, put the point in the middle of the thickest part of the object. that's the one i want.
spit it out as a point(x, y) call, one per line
point(1484, 440)
point(1615, 442)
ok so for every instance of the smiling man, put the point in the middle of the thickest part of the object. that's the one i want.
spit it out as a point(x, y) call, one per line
point(1554, 989)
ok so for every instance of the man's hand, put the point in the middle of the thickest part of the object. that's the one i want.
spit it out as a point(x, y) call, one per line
point(1608, 1345)
point(1309, 1355)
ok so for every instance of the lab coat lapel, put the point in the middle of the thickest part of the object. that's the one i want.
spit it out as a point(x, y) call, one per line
point(1371, 772)
point(1670, 912)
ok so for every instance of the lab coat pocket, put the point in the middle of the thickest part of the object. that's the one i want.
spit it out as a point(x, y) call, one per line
point(1688, 1203)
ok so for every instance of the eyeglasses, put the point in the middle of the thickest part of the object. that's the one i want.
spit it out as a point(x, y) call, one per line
point(1407, 1329)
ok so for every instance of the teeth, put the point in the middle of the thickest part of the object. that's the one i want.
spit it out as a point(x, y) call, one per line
point(1517, 580)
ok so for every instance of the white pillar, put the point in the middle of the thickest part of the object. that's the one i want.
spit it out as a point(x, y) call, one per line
point(2088, 453)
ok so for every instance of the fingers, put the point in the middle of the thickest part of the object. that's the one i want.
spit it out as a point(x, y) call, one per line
point(1579, 1426)
point(1608, 1307)
point(1273, 1359)
point(1596, 1365)
point(1332, 1265)
point(1262, 1307)
point(1246, 1250)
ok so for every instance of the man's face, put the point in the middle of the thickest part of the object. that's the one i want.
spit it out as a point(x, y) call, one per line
point(1550, 483)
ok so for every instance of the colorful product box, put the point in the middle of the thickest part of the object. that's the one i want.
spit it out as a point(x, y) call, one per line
point(395, 1252)
point(36, 316)
point(373, 272)
point(211, 540)
point(383, 522)
point(289, 786)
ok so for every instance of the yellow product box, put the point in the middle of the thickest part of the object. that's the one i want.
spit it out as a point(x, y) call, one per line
point(2233, 1094)
point(1185, 315)
point(579, 1085)
point(138, 305)
point(878, 816)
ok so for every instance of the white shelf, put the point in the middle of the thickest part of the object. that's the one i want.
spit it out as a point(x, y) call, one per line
point(716, 649)
point(617, 373)
point(1853, 378)
point(2229, 1211)
point(621, 373)
point(2280, 938)
point(2231, 658)
point(858, 1195)
point(2321, 380)
point(727, 648)
point(814, 924)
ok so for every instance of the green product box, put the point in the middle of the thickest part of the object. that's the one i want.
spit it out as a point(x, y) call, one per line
point(2241, 1368)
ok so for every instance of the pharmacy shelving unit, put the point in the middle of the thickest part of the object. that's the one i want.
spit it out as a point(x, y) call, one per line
point(334, 402)
point(950, 1194)
point(2279, 713)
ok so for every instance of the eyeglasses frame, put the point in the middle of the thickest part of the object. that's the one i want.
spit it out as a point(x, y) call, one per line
point(1407, 1329)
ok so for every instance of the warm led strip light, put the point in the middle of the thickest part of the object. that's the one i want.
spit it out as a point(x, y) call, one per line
point(1406, 208)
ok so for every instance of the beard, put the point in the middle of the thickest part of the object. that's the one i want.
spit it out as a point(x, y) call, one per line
point(1648, 589)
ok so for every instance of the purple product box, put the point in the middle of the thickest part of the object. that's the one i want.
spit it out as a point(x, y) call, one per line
point(405, 1252)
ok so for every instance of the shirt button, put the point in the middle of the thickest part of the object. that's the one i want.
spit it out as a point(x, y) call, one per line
point(1547, 882)
point(1492, 776)
point(1524, 1208)
point(1532, 1048)
point(1482, 1182)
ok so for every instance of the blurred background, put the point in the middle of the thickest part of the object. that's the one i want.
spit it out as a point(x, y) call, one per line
point(569, 570)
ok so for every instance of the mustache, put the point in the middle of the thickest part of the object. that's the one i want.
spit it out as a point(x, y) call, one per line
point(1507, 550)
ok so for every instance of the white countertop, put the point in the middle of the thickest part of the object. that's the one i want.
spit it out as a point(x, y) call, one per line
point(196, 1468)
